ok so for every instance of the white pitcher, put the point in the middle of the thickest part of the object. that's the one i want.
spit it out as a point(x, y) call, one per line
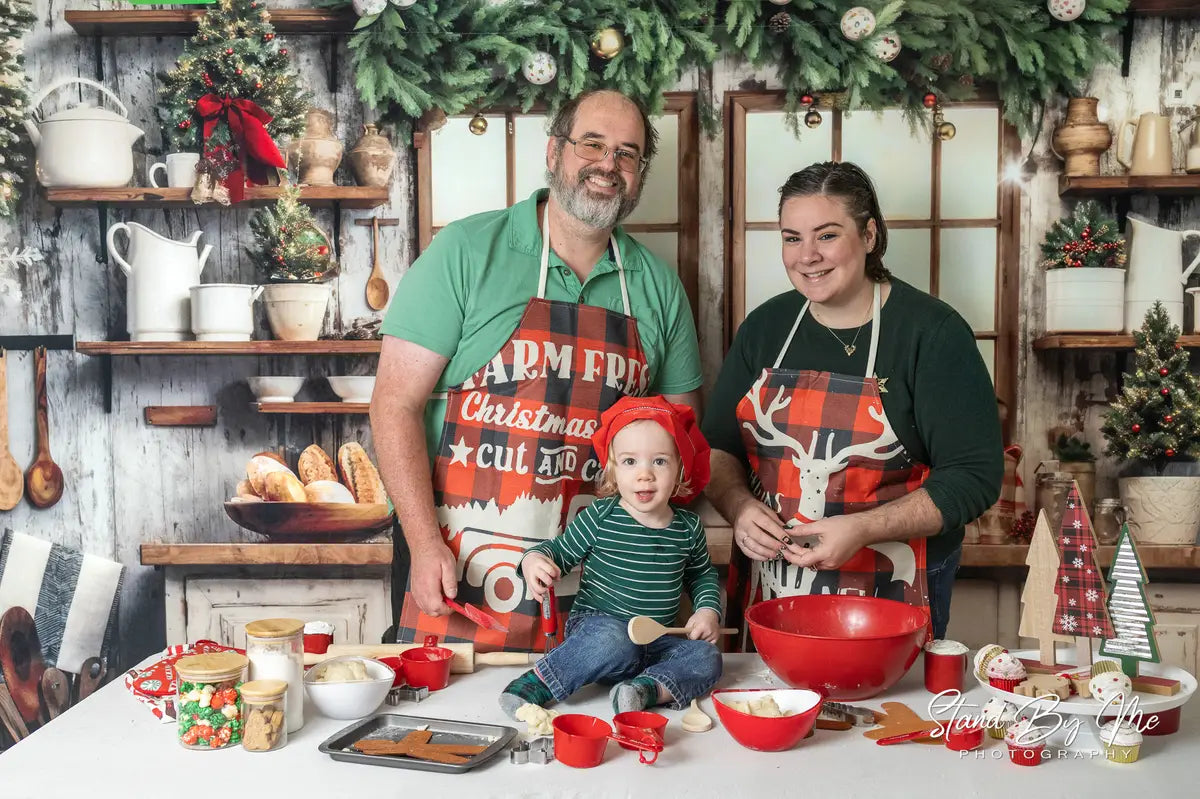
point(1155, 271)
point(160, 273)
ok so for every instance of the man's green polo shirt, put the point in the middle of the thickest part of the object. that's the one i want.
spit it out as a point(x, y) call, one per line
point(464, 296)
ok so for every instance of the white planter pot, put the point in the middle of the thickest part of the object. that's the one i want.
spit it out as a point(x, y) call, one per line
point(296, 310)
point(1087, 299)
point(1162, 510)
point(223, 311)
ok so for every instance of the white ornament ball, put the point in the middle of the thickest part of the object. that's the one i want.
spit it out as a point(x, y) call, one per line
point(886, 46)
point(367, 8)
point(781, 2)
point(1066, 10)
point(403, 3)
point(858, 23)
point(540, 68)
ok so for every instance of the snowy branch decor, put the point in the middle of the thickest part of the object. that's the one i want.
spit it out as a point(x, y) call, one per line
point(1130, 612)
point(14, 257)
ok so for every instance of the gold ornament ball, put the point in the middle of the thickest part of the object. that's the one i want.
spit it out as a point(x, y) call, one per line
point(946, 131)
point(478, 125)
point(608, 43)
point(812, 119)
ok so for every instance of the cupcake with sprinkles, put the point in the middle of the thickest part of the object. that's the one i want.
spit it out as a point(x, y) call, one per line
point(1005, 672)
point(1025, 743)
point(1122, 741)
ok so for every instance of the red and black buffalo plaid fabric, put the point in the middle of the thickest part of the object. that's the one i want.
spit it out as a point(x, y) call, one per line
point(1080, 586)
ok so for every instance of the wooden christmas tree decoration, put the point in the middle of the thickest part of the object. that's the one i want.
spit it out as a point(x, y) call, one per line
point(1130, 612)
point(1080, 585)
point(1038, 597)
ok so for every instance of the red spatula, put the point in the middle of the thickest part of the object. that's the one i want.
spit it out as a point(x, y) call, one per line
point(476, 615)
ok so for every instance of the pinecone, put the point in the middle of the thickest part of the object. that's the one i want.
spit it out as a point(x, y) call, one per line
point(966, 80)
point(1022, 528)
point(780, 22)
point(941, 63)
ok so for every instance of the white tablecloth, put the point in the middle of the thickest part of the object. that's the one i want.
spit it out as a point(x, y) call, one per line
point(111, 746)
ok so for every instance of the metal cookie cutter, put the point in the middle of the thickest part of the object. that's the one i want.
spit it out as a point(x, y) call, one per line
point(403, 693)
point(859, 716)
point(539, 750)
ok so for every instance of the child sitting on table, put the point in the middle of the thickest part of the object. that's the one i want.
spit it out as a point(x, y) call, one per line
point(638, 554)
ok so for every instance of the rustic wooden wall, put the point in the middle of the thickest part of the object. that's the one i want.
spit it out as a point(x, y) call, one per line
point(127, 483)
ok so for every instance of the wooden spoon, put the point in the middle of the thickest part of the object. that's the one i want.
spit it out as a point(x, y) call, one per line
point(43, 480)
point(11, 485)
point(695, 719)
point(645, 630)
point(377, 287)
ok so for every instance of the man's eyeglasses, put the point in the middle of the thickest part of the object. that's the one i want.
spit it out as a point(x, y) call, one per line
point(592, 150)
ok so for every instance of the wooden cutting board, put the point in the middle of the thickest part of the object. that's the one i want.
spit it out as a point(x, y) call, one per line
point(21, 661)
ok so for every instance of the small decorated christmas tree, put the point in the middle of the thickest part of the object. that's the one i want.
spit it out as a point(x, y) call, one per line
point(1086, 238)
point(15, 19)
point(288, 245)
point(1039, 595)
point(1156, 419)
point(1130, 612)
point(1080, 585)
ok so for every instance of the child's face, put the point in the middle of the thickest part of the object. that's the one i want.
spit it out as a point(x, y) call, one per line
point(645, 465)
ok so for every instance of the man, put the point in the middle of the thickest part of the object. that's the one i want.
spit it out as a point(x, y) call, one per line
point(532, 320)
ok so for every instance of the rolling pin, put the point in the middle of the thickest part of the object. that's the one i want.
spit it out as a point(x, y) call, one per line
point(464, 661)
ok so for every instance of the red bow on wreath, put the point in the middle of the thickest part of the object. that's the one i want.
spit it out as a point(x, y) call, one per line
point(247, 124)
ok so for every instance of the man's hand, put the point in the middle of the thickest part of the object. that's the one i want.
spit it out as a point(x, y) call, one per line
point(757, 530)
point(540, 573)
point(838, 538)
point(434, 575)
point(704, 625)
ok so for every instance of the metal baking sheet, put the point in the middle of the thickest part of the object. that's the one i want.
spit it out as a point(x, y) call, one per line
point(394, 726)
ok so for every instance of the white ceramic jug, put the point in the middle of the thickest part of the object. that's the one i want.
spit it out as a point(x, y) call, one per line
point(160, 273)
point(223, 311)
point(1155, 271)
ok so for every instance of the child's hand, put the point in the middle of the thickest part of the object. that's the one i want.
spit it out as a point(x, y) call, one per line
point(540, 572)
point(704, 625)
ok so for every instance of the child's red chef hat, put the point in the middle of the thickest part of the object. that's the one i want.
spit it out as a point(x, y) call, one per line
point(678, 420)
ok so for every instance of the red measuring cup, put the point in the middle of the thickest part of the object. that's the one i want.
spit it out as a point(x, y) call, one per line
point(427, 666)
point(580, 740)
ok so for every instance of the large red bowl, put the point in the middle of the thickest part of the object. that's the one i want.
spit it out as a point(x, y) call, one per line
point(846, 647)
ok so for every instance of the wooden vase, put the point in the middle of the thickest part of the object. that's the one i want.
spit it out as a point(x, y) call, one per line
point(372, 158)
point(1082, 138)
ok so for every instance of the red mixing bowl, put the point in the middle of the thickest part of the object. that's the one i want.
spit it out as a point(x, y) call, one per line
point(846, 647)
point(764, 733)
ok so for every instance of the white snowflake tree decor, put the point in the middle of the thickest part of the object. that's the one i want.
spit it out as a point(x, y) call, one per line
point(1130, 612)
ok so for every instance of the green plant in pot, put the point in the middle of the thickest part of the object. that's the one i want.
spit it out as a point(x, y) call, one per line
point(1153, 429)
point(296, 259)
point(1074, 456)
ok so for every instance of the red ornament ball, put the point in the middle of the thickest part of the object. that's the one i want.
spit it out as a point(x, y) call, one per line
point(322, 250)
point(807, 100)
point(1170, 452)
point(238, 71)
point(228, 51)
point(283, 51)
point(1168, 418)
point(929, 100)
point(283, 228)
point(1087, 232)
point(1137, 428)
point(258, 85)
point(1164, 371)
point(1164, 391)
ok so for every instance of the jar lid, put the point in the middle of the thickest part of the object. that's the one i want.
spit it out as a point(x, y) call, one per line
point(1108, 503)
point(274, 628)
point(211, 665)
point(264, 689)
point(1055, 477)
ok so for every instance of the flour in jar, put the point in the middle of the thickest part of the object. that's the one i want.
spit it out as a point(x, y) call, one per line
point(270, 663)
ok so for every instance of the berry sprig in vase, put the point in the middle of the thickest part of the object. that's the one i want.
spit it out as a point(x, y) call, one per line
point(1084, 257)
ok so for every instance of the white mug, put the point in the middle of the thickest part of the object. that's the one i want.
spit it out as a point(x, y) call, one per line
point(180, 169)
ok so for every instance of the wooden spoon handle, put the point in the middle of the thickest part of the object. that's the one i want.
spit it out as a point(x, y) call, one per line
point(3, 401)
point(43, 422)
point(375, 270)
point(683, 631)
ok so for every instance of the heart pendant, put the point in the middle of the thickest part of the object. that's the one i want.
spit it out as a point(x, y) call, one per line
point(850, 348)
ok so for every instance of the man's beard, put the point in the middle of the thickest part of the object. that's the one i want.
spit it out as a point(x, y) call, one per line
point(579, 202)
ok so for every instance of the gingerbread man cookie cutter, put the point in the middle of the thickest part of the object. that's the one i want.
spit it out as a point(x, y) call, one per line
point(403, 693)
point(538, 750)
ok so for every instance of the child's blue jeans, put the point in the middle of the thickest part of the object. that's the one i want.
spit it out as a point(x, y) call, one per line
point(597, 649)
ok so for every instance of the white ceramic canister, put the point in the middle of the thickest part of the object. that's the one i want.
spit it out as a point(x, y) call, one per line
point(223, 311)
point(275, 648)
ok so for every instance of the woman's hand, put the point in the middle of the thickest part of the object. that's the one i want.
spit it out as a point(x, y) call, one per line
point(704, 625)
point(540, 572)
point(757, 530)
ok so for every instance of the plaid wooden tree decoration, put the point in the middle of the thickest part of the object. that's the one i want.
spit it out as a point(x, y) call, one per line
point(1131, 614)
point(1080, 586)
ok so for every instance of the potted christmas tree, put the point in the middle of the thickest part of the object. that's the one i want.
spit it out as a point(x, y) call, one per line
point(296, 258)
point(1084, 256)
point(1153, 428)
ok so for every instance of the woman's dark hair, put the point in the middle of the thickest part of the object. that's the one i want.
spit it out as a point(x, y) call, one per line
point(850, 184)
point(564, 120)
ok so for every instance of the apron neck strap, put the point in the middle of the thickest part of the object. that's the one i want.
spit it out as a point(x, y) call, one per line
point(874, 333)
point(545, 262)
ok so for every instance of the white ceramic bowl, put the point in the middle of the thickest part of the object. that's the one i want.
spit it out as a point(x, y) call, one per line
point(353, 389)
point(349, 700)
point(275, 389)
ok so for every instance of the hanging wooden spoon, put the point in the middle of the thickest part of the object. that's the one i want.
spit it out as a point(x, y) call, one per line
point(695, 719)
point(43, 480)
point(11, 485)
point(377, 287)
point(645, 630)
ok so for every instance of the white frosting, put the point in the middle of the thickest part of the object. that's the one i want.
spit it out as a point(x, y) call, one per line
point(1124, 735)
point(1108, 685)
point(1023, 733)
point(996, 709)
point(318, 628)
point(944, 647)
point(1006, 667)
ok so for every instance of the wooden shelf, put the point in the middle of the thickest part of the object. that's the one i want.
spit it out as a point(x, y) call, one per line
point(1108, 185)
point(378, 554)
point(330, 347)
point(313, 407)
point(149, 197)
point(1165, 8)
point(1097, 341)
point(135, 22)
point(1153, 557)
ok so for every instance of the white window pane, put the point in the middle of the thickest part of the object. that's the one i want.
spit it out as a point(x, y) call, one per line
point(468, 170)
point(773, 153)
point(664, 245)
point(529, 144)
point(987, 348)
point(969, 164)
point(907, 256)
point(765, 275)
point(967, 274)
point(898, 160)
point(660, 195)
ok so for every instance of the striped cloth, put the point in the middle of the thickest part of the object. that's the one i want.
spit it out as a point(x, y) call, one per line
point(633, 570)
point(71, 596)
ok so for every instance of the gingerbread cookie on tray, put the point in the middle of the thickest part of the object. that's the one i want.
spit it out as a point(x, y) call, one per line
point(1044, 685)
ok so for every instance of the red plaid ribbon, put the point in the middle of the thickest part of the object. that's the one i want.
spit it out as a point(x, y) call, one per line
point(247, 124)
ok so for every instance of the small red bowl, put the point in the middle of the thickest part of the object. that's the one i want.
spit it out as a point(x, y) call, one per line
point(427, 667)
point(580, 740)
point(763, 733)
point(397, 666)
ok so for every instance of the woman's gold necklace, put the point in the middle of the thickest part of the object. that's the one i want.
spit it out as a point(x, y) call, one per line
point(849, 348)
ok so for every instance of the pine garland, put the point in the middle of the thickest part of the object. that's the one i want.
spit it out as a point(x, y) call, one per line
point(1086, 238)
point(16, 18)
point(288, 245)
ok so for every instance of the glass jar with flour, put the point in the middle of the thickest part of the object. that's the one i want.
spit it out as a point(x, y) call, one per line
point(275, 648)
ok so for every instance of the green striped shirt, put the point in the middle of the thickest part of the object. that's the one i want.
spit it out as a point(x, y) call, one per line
point(633, 570)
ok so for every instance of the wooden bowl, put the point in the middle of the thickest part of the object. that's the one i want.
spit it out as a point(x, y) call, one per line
point(310, 521)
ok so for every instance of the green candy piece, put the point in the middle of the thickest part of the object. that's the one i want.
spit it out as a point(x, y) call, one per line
point(184, 687)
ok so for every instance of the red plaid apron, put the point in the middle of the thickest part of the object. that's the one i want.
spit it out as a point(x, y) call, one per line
point(820, 445)
point(515, 460)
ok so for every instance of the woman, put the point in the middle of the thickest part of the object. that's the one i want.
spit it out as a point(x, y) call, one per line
point(853, 418)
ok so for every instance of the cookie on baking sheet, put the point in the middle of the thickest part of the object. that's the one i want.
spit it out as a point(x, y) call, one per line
point(1044, 685)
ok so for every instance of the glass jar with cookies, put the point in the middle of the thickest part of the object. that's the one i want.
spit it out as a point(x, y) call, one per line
point(264, 709)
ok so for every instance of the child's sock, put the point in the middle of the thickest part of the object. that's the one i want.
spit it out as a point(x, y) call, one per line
point(526, 689)
point(639, 693)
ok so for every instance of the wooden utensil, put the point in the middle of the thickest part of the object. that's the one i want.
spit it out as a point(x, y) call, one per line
point(43, 479)
point(695, 719)
point(377, 286)
point(645, 630)
point(464, 661)
point(21, 661)
point(56, 693)
point(10, 717)
point(12, 487)
point(91, 675)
